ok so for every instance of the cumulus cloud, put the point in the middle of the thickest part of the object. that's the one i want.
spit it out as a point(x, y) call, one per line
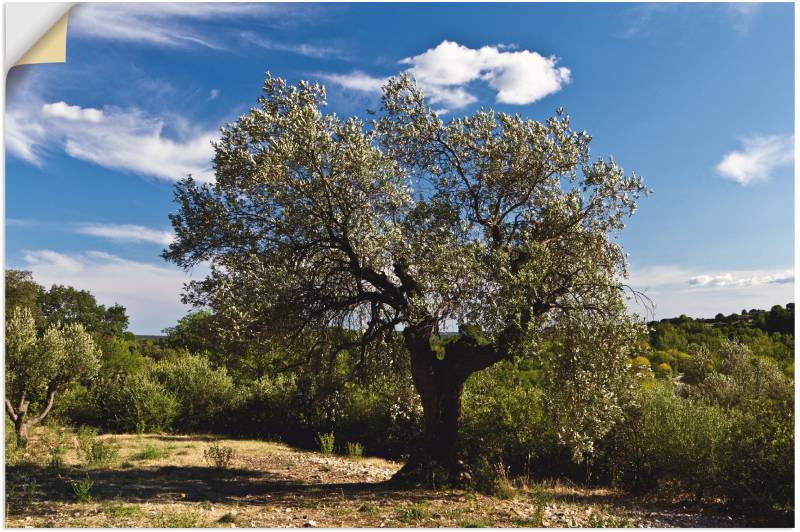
point(122, 139)
point(519, 77)
point(757, 158)
point(150, 292)
point(72, 112)
point(127, 233)
point(446, 71)
point(166, 24)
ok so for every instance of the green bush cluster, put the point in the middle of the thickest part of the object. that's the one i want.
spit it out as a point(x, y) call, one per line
point(730, 435)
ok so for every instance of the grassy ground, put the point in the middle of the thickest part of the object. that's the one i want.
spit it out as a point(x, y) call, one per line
point(166, 481)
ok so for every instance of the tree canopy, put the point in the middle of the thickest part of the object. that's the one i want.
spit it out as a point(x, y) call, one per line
point(496, 225)
point(40, 366)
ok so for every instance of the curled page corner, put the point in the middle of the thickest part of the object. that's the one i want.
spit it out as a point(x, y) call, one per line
point(36, 33)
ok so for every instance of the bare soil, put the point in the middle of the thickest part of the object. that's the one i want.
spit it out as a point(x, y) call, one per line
point(272, 485)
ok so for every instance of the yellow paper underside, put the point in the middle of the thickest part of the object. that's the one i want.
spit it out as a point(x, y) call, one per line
point(51, 48)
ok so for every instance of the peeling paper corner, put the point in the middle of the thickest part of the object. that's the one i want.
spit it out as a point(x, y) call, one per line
point(36, 33)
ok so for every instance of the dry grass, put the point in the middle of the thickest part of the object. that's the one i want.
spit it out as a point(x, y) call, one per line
point(163, 481)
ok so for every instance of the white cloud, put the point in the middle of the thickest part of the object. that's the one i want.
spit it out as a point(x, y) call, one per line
point(164, 24)
point(519, 77)
point(757, 158)
point(150, 292)
point(121, 139)
point(127, 233)
point(445, 71)
point(23, 136)
point(355, 80)
point(213, 94)
point(72, 112)
point(678, 290)
point(306, 49)
point(728, 279)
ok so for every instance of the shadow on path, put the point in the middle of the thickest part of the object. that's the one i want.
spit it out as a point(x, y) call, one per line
point(195, 484)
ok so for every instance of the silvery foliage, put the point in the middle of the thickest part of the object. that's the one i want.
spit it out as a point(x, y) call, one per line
point(492, 220)
point(37, 364)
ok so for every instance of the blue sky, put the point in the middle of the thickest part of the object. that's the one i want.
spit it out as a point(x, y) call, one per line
point(696, 98)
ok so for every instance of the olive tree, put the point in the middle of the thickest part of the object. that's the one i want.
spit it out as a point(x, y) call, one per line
point(40, 366)
point(498, 226)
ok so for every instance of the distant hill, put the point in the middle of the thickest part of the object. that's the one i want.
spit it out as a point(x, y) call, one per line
point(152, 337)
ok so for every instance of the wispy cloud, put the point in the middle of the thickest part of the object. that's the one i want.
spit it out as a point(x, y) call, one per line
point(166, 24)
point(757, 158)
point(356, 80)
point(729, 279)
point(306, 49)
point(679, 290)
point(213, 94)
point(742, 15)
point(122, 139)
point(127, 233)
point(446, 71)
point(150, 292)
point(638, 19)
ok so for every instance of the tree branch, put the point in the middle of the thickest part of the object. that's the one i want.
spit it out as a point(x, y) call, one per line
point(10, 411)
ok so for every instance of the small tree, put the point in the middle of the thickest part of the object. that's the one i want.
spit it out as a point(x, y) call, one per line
point(500, 226)
point(40, 366)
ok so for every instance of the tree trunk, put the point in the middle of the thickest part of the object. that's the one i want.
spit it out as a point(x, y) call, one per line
point(440, 389)
point(441, 420)
point(21, 430)
point(440, 383)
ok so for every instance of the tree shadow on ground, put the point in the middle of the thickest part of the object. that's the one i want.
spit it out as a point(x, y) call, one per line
point(201, 484)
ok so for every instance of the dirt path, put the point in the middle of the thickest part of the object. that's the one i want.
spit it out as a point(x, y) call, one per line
point(272, 485)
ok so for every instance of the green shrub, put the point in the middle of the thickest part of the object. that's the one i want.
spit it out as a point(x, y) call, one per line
point(663, 370)
point(760, 473)
point(503, 421)
point(82, 489)
point(204, 395)
point(219, 456)
point(95, 452)
point(77, 406)
point(669, 438)
point(326, 442)
point(355, 450)
point(267, 409)
point(136, 404)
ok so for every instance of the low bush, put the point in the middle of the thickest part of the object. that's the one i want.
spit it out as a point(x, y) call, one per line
point(205, 396)
point(326, 442)
point(504, 421)
point(219, 456)
point(135, 403)
point(668, 438)
point(354, 450)
point(95, 452)
point(82, 488)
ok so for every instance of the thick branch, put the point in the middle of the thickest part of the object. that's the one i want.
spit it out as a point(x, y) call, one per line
point(51, 395)
point(10, 411)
